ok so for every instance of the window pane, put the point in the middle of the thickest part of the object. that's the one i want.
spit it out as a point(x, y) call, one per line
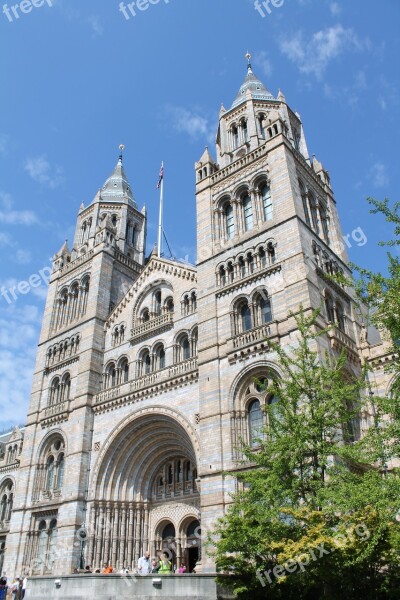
point(246, 317)
point(255, 422)
point(230, 225)
point(267, 202)
point(248, 213)
point(265, 308)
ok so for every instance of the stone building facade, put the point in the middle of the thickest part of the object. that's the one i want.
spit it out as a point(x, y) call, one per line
point(144, 380)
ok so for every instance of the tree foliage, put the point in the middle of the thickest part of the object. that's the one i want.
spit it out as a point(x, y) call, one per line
point(314, 517)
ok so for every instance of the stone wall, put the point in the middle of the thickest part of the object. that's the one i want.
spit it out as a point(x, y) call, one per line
point(116, 587)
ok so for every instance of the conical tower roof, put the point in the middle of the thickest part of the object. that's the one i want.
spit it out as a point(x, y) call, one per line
point(117, 187)
point(253, 85)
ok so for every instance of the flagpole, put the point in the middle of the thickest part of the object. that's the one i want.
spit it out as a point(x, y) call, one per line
point(160, 220)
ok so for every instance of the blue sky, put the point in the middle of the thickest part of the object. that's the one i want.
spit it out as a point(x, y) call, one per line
point(78, 79)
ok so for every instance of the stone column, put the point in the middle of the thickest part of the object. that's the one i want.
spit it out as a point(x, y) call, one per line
point(130, 537)
point(91, 534)
point(122, 561)
point(115, 536)
point(99, 535)
point(107, 534)
point(137, 533)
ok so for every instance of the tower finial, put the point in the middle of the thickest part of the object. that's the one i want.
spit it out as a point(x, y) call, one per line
point(248, 58)
point(121, 149)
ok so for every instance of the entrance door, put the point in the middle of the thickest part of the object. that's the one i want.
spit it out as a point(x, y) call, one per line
point(191, 558)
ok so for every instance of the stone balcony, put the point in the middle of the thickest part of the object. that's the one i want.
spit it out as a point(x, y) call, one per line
point(77, 262)
point(55, 413)
point(8, 467)
point(152, 327)
point(149, 384)
point(251, 341)
point(341, 341)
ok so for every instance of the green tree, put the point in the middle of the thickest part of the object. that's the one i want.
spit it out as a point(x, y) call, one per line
point(311, 518)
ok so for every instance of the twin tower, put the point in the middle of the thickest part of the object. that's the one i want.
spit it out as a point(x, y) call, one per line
point(144, 385)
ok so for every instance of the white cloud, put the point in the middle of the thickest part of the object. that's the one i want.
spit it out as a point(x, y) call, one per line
point(380, 175)
point(313, 55)
point(19, 333)
point(9, 216)
point(42, 172)
point(335, 8)
point(96, 25)
point(23, 257)
point(261, 60)
point(191, 122)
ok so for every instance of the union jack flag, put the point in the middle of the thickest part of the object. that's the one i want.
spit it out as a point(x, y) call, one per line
point(161, 176)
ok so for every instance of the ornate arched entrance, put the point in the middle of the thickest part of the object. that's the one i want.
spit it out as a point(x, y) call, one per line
point(144, 486)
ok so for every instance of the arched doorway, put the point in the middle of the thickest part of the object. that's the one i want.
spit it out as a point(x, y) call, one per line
point(192, 552)
point(145, 484)
point(168, 543)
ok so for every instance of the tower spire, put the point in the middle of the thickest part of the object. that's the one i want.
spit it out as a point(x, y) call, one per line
point(121, 149)
point(248, 58)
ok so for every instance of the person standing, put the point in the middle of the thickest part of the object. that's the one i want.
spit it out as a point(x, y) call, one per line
point(23, 592)
point(165, 564)
point(144, 565)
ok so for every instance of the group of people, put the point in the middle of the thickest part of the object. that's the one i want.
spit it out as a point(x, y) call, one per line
point(145, 566)
point(17, 588)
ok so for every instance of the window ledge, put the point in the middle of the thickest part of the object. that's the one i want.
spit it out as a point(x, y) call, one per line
point(251, 341)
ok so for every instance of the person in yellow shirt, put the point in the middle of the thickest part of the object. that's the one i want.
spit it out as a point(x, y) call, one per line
point(165, 564)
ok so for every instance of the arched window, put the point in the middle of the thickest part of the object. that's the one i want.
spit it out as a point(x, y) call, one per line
point(66, 387)
point(144, 363)
point(159, 355)
point(111, 375)
point(157, 303)
point(222, 276)
point(193, 301)
point(85, 294)
point(229, 222)
point(314, 212)
point(73, 300)
point(145, 315)
point(242, 267)
point(261, 118)
point(250, 263)
point(60, 471)
point(231, 272)
point(263, 308)
point(124, 370)
point(263, 258)
point(330, 314)
point(256, 422)
point(185, 348)
point(170, 475)
point(52, 543)
point(54, 391)
point(169, 305)
point(305, 203)
point(248, 213)
point(340, 317)
point(266, 202)
point(271, 253)
point(324, 222)
point(50, 468)
point(185, 305)
point(245, 133)
point(245, 316)
point(235, 137)
point(42, 545)
point(3, 509)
